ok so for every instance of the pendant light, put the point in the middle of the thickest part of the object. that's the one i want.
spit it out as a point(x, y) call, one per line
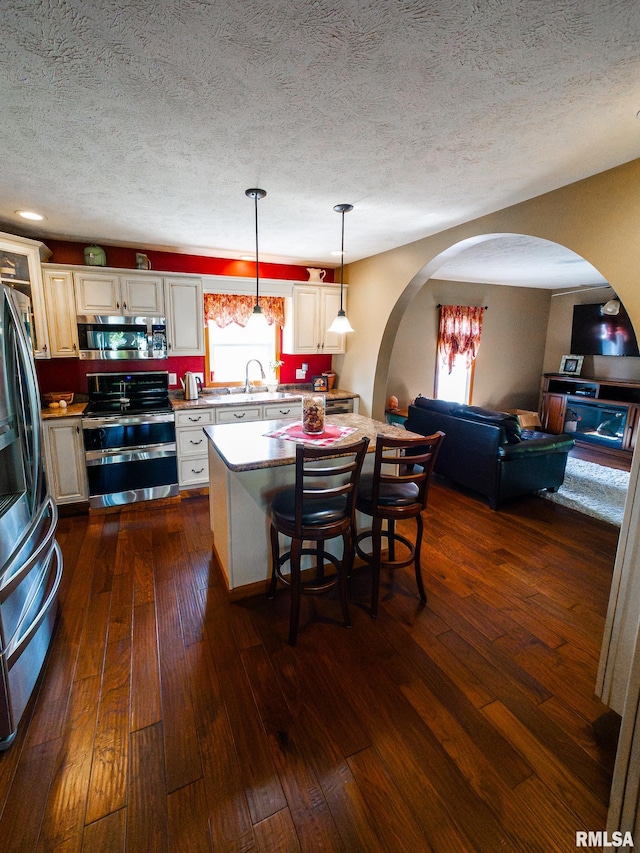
point(341, 324)
point(257, 316)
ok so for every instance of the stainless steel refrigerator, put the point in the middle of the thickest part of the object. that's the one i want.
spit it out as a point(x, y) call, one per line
point(30, 558)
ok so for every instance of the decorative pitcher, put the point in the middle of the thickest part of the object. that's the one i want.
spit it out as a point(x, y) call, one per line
point(316, 275)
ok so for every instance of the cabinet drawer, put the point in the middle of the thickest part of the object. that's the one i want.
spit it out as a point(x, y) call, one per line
point(191, 442)
point(241, 413)
point(193, 470)
point(282, 410)
point(194, 417)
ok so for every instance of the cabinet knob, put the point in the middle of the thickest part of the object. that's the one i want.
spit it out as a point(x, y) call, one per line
point(191, 441)
point(195, 420)
point(236, 415)
point(197, 470)
point(117, 304)
point(124, 306)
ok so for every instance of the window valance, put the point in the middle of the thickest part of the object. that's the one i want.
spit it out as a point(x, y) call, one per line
point(459, 333)
point(226, 308)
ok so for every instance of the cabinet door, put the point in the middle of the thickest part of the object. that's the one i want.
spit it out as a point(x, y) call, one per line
point(329, 307)
point(300, 334)
point(142, 295)
point(65, 460)
point(553, 410)
point(185, 316)
point(20, 266)
point(633, 427)
point(97, 293)
point(61, 313)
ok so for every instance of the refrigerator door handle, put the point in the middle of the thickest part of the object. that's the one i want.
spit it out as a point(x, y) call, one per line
point(23, 569)
point(15, 649)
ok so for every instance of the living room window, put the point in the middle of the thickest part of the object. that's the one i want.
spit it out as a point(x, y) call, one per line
point(459, 335)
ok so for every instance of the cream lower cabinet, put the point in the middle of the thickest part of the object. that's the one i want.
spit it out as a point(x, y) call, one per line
point(192, 446)
point(64, 460)
point(309, 313)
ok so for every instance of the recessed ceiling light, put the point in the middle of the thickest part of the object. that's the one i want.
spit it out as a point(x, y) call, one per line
point(338, 254)
point(247, 258)
point(30, 214)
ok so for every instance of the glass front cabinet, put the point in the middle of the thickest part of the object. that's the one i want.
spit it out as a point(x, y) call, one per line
point(20, 260)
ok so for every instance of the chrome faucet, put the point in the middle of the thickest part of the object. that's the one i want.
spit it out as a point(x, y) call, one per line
point(246, 373)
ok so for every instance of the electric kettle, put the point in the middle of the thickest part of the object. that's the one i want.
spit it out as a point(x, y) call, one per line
point(190, 385)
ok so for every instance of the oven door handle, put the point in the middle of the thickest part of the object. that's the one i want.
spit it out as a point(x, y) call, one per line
point(113, 456)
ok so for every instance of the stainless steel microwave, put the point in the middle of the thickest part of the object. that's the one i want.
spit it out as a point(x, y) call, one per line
point(110, 337)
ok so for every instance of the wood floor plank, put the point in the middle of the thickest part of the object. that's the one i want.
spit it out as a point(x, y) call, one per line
point(228, 809)
point(22, 815)
point(146, 703)
point(107, 790)
point(106, 834)
point(67, 798)
point(187, 819)
point(147, 808)
point(277, 832)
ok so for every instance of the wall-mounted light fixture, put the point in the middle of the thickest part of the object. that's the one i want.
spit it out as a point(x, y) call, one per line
point(341, 324)
point(612, 307)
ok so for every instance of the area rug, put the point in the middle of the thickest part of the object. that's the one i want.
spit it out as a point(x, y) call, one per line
point(592, 489)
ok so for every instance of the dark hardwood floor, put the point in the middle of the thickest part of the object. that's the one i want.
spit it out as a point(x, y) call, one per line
point(170, 719)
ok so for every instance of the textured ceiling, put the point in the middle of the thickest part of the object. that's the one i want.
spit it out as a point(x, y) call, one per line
point(142, 123)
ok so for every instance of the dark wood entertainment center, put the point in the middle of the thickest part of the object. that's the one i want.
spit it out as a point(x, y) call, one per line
point(602, 415)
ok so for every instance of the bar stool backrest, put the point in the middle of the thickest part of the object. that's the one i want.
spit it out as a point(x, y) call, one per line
point(400, 462)
point(325, 475)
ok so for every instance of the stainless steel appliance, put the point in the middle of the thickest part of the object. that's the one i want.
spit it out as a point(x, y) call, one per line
point(30, 558)
point(110, 337)
point(129, 438)
point(191, 385)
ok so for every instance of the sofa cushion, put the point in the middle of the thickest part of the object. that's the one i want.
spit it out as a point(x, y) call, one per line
point(509, 423)
point(443, 406)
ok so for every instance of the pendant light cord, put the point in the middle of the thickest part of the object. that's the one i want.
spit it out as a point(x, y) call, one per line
point(256, 195)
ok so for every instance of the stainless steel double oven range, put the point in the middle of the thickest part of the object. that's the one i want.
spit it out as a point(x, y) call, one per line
point(129, 438)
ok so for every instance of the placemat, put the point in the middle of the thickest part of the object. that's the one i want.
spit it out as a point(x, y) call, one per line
point(294, 432)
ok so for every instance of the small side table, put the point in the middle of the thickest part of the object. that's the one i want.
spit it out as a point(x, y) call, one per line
point(397, 417)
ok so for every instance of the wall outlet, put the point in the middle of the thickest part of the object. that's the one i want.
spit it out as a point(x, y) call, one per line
point(173, 379)
point(301, 374)
point(199, 376)
point(305, 366)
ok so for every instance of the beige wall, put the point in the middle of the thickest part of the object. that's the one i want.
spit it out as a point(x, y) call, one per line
point(510, 359)
point(599, 218)
point(559, 339)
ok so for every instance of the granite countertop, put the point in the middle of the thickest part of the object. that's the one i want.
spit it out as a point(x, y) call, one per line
point(207, 400)
point(74, 410)
point(245, 447)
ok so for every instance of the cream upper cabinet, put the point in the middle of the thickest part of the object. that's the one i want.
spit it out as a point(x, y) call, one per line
point(61, 313)
point(20, 260)
point(101, 293)
point(64, 459)
point(309, 313)
point(185, 316)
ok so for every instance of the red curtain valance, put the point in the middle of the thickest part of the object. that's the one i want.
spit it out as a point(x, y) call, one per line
point(459, 333)
point(226, 308)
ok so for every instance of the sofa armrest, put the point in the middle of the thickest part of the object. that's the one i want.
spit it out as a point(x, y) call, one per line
point(536, 446)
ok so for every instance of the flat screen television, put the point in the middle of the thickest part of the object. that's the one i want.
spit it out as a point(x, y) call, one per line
point(594, 333)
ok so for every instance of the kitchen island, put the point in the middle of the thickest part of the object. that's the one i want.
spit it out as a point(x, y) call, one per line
point(246, 469)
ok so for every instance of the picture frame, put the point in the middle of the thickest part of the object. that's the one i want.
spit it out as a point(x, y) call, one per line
point(571, 364)
point(320, 383)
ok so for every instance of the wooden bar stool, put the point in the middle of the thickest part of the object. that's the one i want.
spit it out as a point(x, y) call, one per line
point(397, 489)
point(321, 506)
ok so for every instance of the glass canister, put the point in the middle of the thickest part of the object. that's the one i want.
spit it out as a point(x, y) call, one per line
point(313, 414)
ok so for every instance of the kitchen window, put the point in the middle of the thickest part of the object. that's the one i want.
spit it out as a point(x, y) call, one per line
point(231, 340)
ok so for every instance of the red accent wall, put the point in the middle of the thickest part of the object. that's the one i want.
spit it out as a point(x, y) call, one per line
point(64, 252)
point(69, 374)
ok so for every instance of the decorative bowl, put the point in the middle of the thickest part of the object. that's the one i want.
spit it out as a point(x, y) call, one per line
point(57, 396)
